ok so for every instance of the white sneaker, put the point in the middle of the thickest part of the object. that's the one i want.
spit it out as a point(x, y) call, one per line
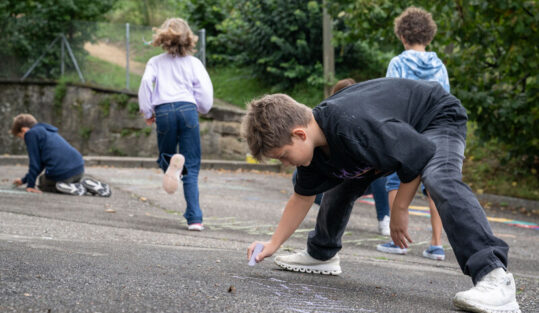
point(303, 262)
point(195, 227)
point(495, 293)
point(383, 226)
point(172, 175)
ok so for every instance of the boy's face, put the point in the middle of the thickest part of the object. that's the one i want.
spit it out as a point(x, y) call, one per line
point(22, 132)
point(298, 153)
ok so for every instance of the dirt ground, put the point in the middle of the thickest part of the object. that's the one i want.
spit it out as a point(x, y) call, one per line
point(113, 54)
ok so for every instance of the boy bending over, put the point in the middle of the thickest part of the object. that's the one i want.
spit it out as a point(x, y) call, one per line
point(413, 128)
point(63, 164)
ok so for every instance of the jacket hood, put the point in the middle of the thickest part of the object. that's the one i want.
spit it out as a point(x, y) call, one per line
point(47, 127)
point(423, 64)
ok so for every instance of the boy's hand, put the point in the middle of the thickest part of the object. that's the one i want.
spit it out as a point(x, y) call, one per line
point(150, 121)
point(399, 227)
point(268, 250)
point(17, 182)
point(30, 189)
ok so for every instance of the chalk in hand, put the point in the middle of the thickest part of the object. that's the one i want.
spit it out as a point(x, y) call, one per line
point(258, 248)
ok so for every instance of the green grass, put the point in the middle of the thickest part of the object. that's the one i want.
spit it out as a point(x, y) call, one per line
point(238, 85)
point(105, 74)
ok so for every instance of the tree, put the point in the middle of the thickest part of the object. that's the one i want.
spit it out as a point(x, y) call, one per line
point(282, 39)
point(28, 26)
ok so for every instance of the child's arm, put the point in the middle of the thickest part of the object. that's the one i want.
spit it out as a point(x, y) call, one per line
point(145, 93)
point(399, 212)
point(202, 88)
point(295, 211)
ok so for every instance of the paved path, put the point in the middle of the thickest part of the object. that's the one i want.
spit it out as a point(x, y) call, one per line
point(131, 252)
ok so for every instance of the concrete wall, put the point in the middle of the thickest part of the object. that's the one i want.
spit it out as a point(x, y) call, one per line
point(99, 121)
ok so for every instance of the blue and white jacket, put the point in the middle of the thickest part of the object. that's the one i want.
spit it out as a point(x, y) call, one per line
point(419, 65)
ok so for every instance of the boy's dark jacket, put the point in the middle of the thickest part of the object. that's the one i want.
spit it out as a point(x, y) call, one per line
point(48, 150)
point(378, 125)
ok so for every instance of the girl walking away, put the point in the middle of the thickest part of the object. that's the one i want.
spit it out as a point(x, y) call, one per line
point(174, 87)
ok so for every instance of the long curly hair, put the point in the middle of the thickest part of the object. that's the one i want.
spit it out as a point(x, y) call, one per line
point(175, 37)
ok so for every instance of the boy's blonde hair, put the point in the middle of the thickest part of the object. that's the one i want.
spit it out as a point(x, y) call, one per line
point(20, 121)
point(343, 83)
point(270, 120)
point(175, 36)
point(416, 26)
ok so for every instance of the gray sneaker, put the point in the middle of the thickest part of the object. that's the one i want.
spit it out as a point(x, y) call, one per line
point(303, 262)
point(75, 189)
point(494, 293)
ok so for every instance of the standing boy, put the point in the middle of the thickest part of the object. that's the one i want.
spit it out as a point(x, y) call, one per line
point(63, 164)
point(365, 131)
point(415, 28)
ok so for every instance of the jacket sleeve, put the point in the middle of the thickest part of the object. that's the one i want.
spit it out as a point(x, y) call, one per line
point(393, 69)
point(35, 165)
point(202, 88)
point(145, 91)
point(392, 145)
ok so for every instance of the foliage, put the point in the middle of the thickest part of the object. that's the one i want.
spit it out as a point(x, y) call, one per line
point(489, 52)
point(281, 39)
point(145, 12)
point(28, 27)
point(208, 15)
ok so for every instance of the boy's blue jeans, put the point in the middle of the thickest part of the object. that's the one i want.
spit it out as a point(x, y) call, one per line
point(177, 125)
point(477, 250)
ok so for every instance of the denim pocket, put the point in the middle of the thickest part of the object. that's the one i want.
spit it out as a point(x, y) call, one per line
point(190, 117)
point(161, 120)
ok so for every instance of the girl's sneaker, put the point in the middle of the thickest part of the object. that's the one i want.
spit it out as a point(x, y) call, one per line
point(195, 227)
point(96, 187)
point(75, 189)
point(390, 247)
point(172, 175)
point(435, 253)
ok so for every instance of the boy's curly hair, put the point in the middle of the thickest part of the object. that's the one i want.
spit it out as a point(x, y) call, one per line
point(269, 122)
point(416, 26)
point(175, 36)
point(20, 121)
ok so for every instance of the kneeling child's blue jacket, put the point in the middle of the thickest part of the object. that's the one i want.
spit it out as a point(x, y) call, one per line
point(50, 151)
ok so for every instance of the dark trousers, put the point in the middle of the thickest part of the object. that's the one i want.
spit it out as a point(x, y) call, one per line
point(46, 184)
point(178, 131)
point(477, 250)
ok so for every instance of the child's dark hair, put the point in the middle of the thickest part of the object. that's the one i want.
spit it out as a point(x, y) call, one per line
point(415, 26)
point(20, 121)
point(343, 83)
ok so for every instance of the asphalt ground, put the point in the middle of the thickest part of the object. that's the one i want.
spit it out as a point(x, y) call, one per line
point(132, 253)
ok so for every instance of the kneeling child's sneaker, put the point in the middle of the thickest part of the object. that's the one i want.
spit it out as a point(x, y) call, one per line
point(96, 187)
point(303, 262)
point(494, 293)
point(75, 189)
point(390, 247)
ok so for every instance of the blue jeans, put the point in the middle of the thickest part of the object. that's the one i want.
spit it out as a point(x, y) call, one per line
point(393, 183)
point(476, 248)
point(177, 126)
point(378, 190)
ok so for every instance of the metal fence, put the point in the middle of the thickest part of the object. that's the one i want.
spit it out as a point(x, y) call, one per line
point(103, 54)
